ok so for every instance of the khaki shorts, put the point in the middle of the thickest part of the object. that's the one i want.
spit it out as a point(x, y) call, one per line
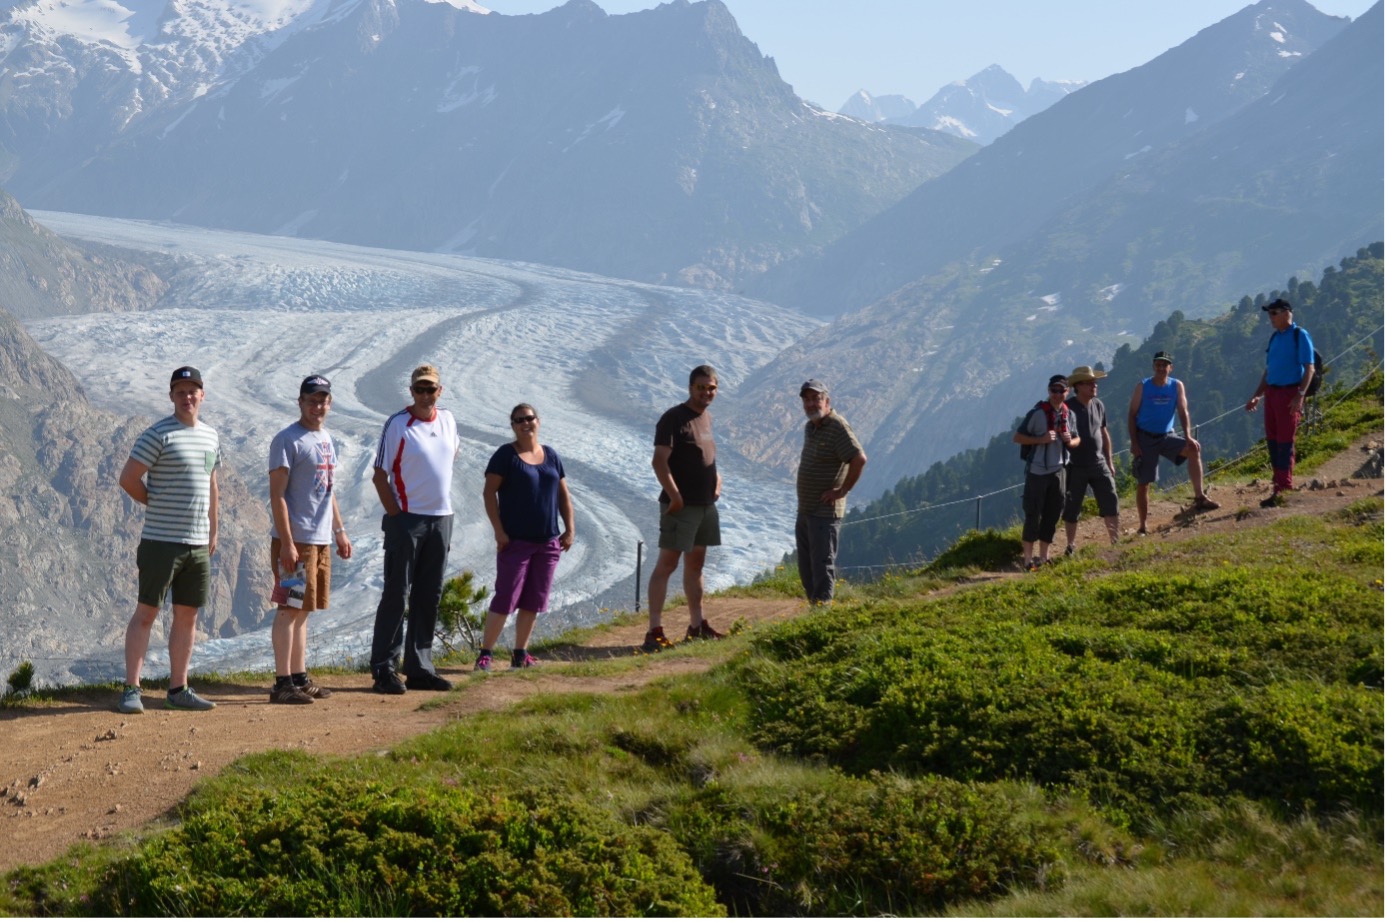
point(317, 572)
point(690, 527)
point(165, 565)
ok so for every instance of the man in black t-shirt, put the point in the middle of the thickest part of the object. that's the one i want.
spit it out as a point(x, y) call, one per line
point(685, 463)
point(1090, 464)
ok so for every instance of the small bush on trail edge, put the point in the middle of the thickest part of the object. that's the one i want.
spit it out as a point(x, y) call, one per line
point(330, 846)
point(460, 618)
point(20, 683)
point(989, 550)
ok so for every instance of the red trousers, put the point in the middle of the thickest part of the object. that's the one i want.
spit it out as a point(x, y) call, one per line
point(1282, 417)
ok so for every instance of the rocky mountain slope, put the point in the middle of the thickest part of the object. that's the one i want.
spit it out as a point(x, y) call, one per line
point(659, 145)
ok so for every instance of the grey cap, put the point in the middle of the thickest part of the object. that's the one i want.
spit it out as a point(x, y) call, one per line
point(813, 384)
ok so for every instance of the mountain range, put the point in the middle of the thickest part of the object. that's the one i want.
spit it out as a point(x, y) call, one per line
point(659, 145)
point(1078, 230)
point(982, 108)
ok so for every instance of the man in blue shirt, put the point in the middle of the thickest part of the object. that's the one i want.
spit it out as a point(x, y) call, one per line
point(1155, 405)
point(1290, 368)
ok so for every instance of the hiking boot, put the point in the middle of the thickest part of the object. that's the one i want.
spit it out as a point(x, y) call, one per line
point(1033, 566)
point(388, 682)
point(655, 641)
point(130, 702)
point(428, 681)
point(1272, 501)
point(704, 631)
point(525, 661)
point(1204, 504)
point(1069, 551)
point(289, 693)
point(188, 700)
point(483, 663)
point(313, 689)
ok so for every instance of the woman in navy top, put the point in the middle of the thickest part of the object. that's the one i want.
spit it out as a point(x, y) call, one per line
point(525, 496)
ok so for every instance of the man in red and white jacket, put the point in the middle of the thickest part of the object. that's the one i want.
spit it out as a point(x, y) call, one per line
point(414, 477)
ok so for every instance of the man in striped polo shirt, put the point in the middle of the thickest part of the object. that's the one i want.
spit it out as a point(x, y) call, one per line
point(829, 466)
point(172, 472)
point(414, 479)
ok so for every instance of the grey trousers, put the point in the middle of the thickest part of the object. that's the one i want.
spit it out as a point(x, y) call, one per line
point(816, 546)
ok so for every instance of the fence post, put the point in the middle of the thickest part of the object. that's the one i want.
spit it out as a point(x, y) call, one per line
point(639, 546)
point(977, 519)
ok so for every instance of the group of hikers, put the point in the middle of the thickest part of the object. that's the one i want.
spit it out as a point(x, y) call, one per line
point(172, 472)
point(1068, 448)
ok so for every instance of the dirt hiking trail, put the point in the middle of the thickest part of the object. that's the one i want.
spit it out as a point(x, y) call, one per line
point(73, 769)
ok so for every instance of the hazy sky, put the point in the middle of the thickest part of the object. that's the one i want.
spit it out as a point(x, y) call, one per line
point(828, 49)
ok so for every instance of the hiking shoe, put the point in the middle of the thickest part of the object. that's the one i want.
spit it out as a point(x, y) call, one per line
point(289, 693)
point(188, 700)
point(655, 641)
point(523, 662)
point(388, 683)
point(313, 689)
point(427, 681)
point(483, 663)
point(1204, 504)
point(1069, 551)
point(704, 631)
point(1033, 566)
point(130, 702)
point(1272, 501)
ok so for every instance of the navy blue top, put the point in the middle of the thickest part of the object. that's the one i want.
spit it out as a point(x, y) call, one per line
point(529, 493)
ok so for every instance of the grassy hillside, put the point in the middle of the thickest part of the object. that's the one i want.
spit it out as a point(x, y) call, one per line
point(1189, 728)
point(1220, 360)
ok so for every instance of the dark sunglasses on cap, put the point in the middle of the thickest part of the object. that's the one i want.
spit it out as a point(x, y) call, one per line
point(424, 389)
point(517, 420)
point(1058, 388)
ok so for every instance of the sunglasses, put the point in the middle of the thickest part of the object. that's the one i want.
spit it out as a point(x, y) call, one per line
point(1058, 389)
point(517, 420)
point(1279, 310)
point(424, 389)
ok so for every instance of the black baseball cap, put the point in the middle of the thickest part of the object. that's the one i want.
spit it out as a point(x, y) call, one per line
point(186, 373)
point(1280, 304)
point(315, 384)
point(1058, 379)
point(1164, 356)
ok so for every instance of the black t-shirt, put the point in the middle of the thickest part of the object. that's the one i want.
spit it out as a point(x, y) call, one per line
point(1088, 424)
point(693, 460)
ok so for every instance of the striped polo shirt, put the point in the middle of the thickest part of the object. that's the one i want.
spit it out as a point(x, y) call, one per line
point(418, 455)
point(823, 464)
point(181, 460)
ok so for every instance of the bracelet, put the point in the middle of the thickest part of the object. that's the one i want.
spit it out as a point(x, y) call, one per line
point(338, 531)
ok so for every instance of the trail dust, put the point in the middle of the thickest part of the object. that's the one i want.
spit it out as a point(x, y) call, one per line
point(74, 769)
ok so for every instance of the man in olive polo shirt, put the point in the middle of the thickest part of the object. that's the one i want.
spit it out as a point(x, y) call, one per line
point(172, 472)
point(829, 466)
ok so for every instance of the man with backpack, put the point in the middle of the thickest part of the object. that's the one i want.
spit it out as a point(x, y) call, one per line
point(1289, 378)
point(1046, 436)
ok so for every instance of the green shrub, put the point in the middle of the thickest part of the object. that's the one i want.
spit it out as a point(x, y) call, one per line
point(882, 845)
point(986, 550)
point(330, 846)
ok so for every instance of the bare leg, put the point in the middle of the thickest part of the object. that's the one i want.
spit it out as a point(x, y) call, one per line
point(693, 583)
point(1026, 548)
point(524, 626)
point(137, 641)
point(1196, 464)
point(282, 639)
point(298, 650)
point(664, 568)
point(1071, 531)
point(495, 624)
point(1043, 550)
point(1141, 505)
point(181, 644)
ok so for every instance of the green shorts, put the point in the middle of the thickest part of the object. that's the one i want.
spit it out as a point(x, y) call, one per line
point(690, 527)
point(186, 568)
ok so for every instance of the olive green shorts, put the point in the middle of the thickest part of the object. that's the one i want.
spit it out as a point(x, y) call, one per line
point(165, 565)
point(690, 527)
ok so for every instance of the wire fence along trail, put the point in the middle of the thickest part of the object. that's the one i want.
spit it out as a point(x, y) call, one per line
point(1313, 415)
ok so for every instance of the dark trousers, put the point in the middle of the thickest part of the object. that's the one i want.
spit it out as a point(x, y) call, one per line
point(1042, 501)
point(816, 547)
point(416, 553)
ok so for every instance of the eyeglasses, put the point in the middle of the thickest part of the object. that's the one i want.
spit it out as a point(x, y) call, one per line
point(517, 420)
point(707, 388)
point(424, 389)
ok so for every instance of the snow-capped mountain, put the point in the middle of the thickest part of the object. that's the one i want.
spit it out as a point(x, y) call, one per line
point(982, 108)
point(658, 145)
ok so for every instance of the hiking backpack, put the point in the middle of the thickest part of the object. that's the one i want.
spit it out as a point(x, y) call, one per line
point(1054, 420)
